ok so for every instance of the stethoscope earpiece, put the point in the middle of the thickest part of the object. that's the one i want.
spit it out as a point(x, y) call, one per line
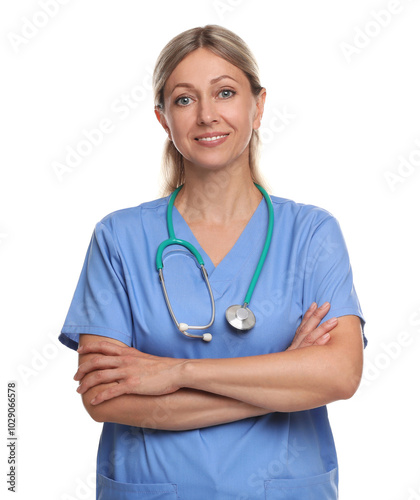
point(183, 327)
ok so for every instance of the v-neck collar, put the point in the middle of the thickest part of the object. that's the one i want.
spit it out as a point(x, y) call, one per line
point(244, 248)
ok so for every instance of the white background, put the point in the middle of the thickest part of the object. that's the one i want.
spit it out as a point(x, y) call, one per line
point(351, 118)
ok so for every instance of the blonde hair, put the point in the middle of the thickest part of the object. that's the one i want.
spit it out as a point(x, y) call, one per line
point(226, 44)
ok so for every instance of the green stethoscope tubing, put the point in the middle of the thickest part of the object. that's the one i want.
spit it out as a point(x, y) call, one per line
point(172, 240)
point(264, 252)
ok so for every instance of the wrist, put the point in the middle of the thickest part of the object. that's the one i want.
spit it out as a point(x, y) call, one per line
point(186, 371)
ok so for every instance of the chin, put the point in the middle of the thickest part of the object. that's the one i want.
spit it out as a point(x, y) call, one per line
point(212, 165)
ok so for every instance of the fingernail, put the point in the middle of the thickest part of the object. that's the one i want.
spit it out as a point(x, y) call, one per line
point(80, 349)
point(331, 321)
point(325, 336)
point(313, 305)
point(324, 306)
point(93, 401)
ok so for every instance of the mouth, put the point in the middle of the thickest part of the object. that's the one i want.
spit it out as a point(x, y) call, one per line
point(215, 136)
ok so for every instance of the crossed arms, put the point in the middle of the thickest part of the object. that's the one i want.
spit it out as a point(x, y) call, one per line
point(123, 385)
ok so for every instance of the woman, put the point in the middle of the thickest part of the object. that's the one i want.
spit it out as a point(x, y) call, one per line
point(242, 416)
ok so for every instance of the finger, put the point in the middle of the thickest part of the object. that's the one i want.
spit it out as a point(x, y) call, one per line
point(323, 340)
point(306, 316)
point(318, 336)
point(102, 347)
point(99, 377)
point(309, 312)
point(324, 331)
point(315, 318)
point(110, 393)
point(97, 363)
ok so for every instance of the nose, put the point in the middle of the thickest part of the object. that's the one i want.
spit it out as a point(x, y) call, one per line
point(207, 112)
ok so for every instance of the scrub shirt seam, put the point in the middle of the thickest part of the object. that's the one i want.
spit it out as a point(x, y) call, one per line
point(114, 237)
point(164, 202)
point(69, 327)
point(117, 248)
point(132, 488)
point(314, 231)
point(329, 217)
point(287, 487)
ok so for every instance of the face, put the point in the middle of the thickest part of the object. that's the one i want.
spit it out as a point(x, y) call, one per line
point(210, 111)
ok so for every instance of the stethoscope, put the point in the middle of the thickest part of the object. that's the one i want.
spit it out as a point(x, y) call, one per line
point(239, 316)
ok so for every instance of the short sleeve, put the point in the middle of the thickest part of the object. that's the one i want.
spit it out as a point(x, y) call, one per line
point(100, 305)
point(328, 273)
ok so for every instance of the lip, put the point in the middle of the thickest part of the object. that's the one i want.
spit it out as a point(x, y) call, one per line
point(213, 143)
point(210, 134)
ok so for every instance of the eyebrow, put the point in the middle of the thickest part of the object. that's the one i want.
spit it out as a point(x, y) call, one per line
point(212, 82)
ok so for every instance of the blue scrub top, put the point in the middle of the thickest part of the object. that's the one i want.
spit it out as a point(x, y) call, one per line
point(275, 456)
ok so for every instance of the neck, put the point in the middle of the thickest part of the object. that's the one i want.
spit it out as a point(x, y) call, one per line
point(217, 197)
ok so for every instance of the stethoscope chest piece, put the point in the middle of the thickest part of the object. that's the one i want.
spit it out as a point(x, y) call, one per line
point(240, 317)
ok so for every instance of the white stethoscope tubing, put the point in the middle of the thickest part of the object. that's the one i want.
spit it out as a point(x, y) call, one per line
point(183, 327)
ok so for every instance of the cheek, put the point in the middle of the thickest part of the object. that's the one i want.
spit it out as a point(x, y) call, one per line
point(179, 121)
point(177, 127)
point(244, 117)
point(179, 134)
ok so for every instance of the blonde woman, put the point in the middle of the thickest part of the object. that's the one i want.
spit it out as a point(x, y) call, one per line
point(210, 357)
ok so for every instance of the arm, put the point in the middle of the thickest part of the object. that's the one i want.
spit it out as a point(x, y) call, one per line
point(180, 410)
point(287, 381)
point(177, 409)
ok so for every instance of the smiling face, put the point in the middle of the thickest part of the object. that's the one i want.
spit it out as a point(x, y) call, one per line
point(210, 111)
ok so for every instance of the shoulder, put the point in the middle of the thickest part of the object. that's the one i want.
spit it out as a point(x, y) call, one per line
point(308, 228)
point(129, 227)
point(132, 216)
point(302, 215)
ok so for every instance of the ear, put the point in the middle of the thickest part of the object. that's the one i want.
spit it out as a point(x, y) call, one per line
point(161, 119)
point(260, 109)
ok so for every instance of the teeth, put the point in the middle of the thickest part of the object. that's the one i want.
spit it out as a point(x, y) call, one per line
point(212, 138)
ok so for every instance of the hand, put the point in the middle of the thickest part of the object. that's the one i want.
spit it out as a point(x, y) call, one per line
point(310, 332)
point(131, 371)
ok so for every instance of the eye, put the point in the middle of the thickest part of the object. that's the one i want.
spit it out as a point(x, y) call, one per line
point(226, 93)
point(183, 101)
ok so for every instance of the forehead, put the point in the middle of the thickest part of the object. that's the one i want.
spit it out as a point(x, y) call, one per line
point(200, 67)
